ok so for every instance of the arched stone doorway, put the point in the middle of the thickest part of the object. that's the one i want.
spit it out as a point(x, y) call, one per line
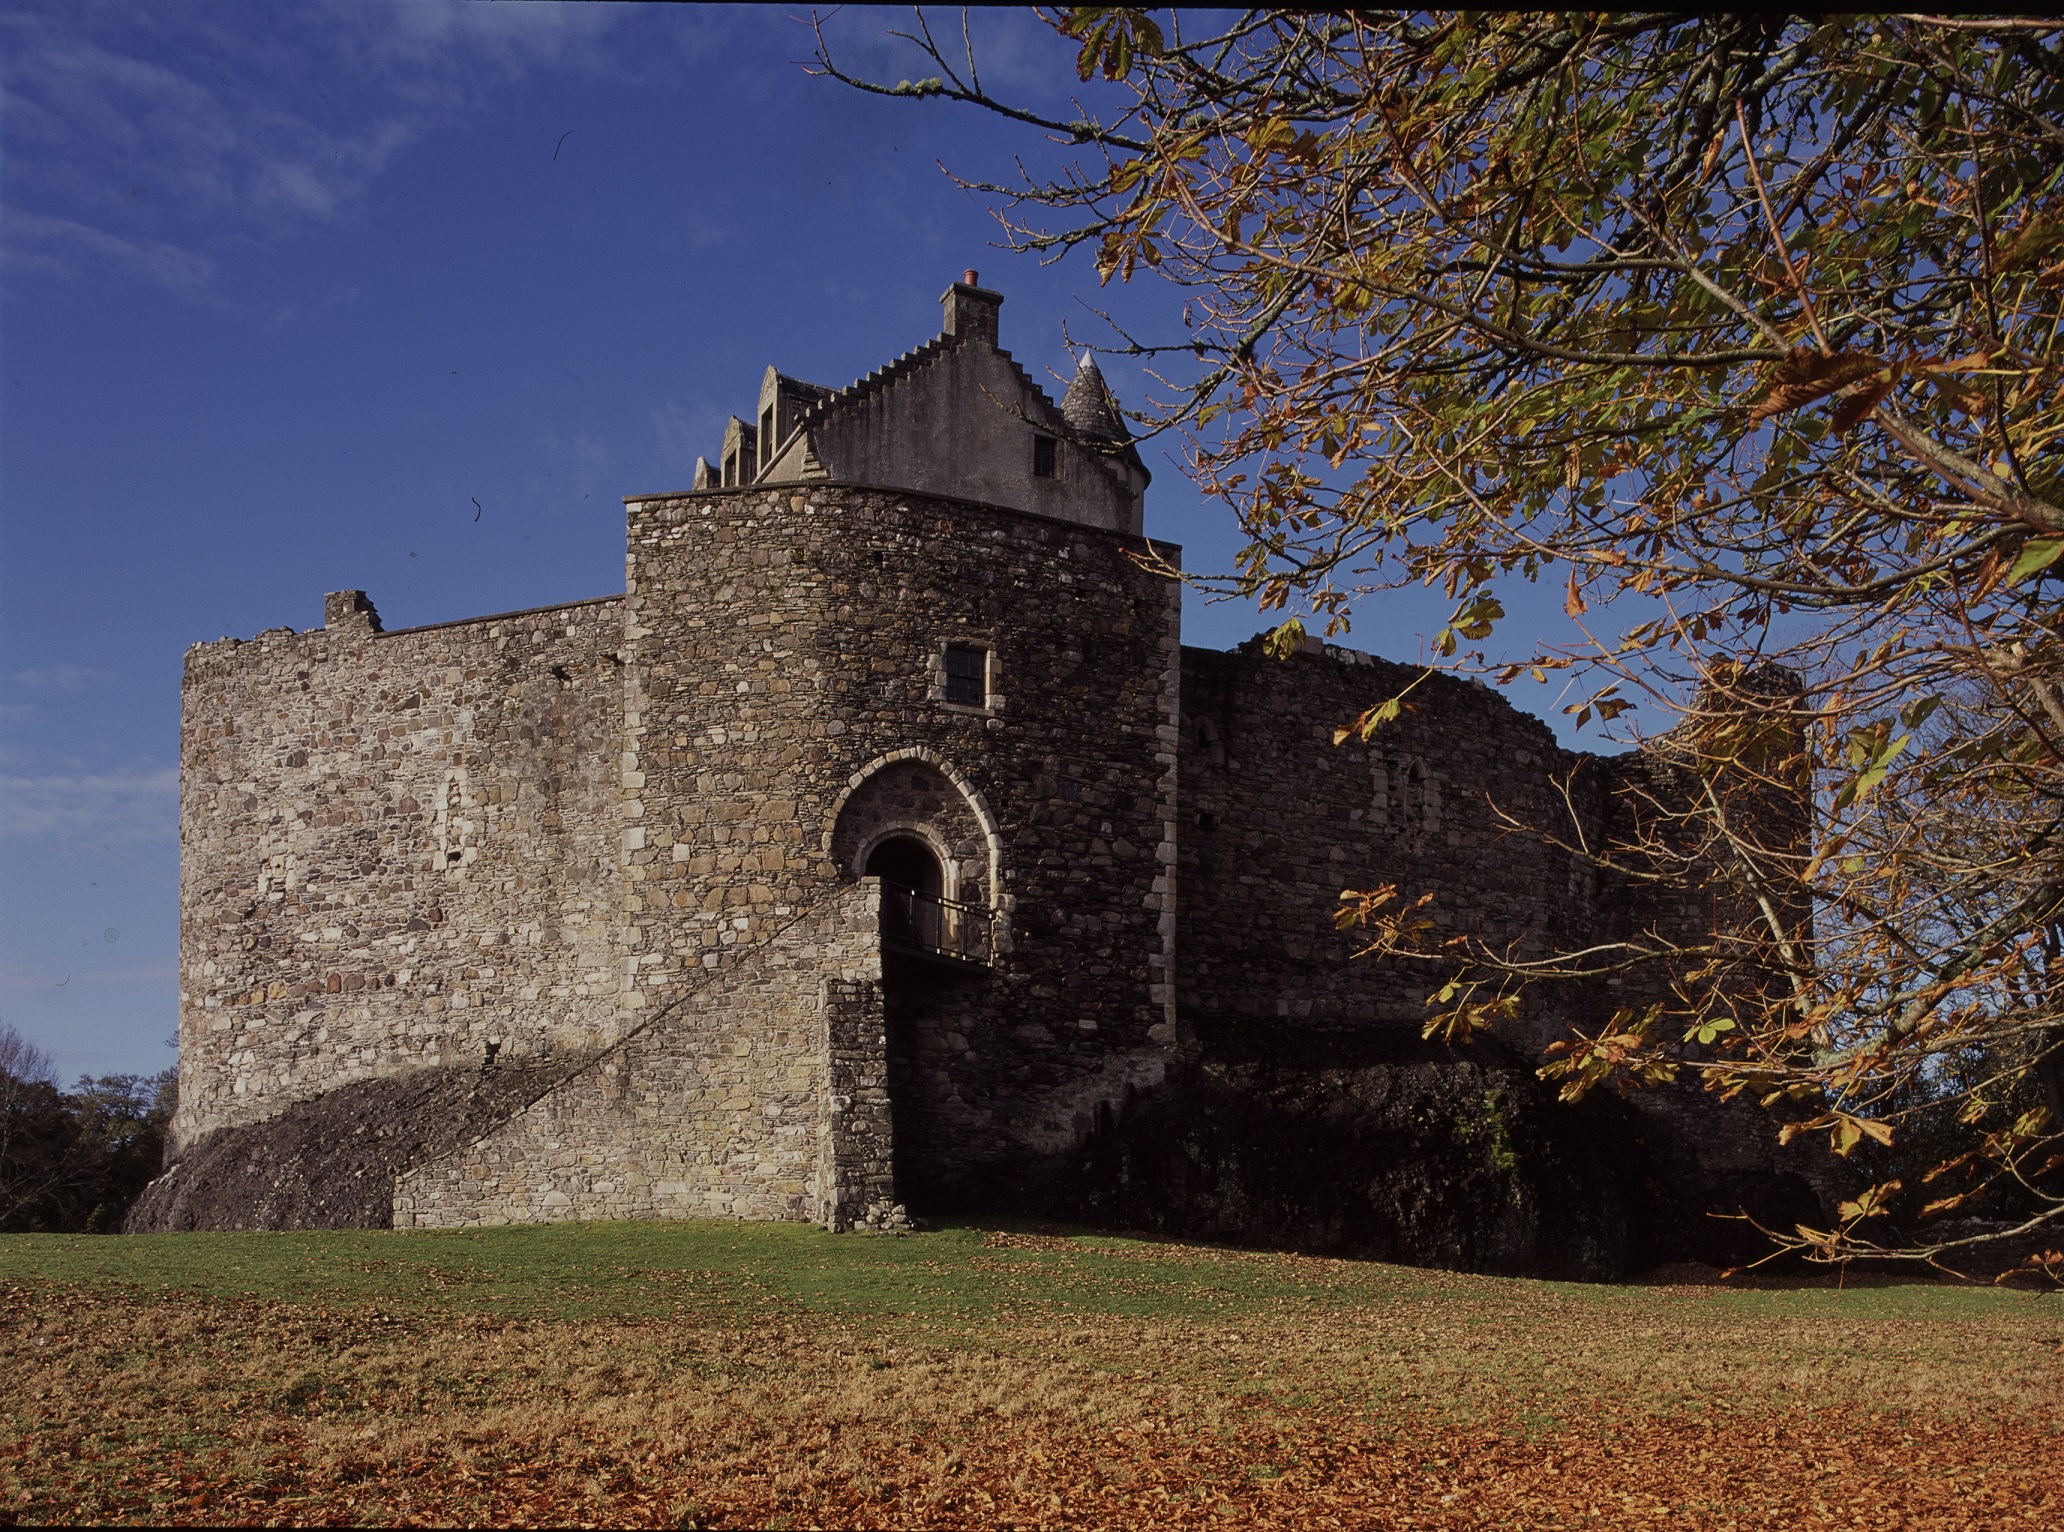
point(905, 797)
point(919, 830)
point(913, 892)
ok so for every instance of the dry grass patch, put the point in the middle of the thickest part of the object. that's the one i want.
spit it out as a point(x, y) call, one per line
point(998, 1378)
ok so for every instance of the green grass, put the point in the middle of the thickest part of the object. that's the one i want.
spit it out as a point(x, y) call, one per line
point(590, 1271)
point(765, 1369)
point(587, 1271)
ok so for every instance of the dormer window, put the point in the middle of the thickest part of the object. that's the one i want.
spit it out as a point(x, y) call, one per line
point(730, 470)
point(766, 437)
point(1044, 457)
point(967, 675)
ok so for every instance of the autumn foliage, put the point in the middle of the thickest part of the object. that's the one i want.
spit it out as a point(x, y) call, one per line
point(718, 1376)
point(1741, 333)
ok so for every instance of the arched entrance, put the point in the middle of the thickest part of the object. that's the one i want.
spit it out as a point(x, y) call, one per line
point(913, 891)
point(921, 830)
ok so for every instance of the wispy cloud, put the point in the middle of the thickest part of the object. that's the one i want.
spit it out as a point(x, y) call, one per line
point(133, 804)
point(64, 678)
point(21, 979)
point(144, 142)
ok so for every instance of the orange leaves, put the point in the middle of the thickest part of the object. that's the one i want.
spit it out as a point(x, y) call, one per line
point(1870, 1203)
point(1364, 728)
point(1284, 640)
point(1807, 375)
point(1112, 35)
point(1845, 1131)
point(1624, 1054)
point(1607, 704)
point(1573, 602)
point(1395, 928)
point(1456, 1015)
point(1282, 1392)
point(1847, 414)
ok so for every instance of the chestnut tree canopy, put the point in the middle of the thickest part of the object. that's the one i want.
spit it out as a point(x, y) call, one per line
point(1743, 331)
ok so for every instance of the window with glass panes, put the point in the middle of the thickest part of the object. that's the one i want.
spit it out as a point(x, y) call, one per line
point(967, 674)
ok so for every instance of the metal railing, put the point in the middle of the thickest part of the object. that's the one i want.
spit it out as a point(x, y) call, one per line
point(935, 927)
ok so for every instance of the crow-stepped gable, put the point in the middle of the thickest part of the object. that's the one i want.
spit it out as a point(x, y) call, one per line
point(881, 845)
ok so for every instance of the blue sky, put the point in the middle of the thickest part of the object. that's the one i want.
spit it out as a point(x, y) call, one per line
point(406, 297)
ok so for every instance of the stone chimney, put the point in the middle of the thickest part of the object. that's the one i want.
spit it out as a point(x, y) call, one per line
point(350, 609)
point(971, 310)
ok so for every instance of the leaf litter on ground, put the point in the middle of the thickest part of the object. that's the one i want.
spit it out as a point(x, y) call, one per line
point(727, 1375)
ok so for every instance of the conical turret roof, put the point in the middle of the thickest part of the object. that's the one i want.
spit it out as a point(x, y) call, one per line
point(1088, 407)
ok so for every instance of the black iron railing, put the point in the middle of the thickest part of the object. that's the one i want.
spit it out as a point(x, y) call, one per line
point(935, 927)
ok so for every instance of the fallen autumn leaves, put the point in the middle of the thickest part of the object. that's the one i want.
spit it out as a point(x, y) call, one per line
point(1033, 1382)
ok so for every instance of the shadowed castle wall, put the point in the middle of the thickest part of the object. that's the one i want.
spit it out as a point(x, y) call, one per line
point(1277, 821)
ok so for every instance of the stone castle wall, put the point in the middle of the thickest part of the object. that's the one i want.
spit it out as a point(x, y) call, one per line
point(758, 1092)
point(630, 835)
point(784, 647)
point(1277, 821)
point(395, 848)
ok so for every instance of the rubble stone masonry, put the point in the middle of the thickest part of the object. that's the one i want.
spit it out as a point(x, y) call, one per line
point(1277, 820)
point(629, 839)
point(785, 652)
point(759, 1092)
point(395, 850)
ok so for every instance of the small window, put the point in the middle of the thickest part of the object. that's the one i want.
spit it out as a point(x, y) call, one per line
point(1043, 457)
point(966, 675)
point(766, 438)
point(730, 469)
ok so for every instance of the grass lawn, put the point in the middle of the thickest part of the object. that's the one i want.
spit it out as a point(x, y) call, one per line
point(672, 1374)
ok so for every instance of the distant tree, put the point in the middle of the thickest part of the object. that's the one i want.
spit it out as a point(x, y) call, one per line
point(120, 1121)
point(37, 1136)
point(75, 1161)
point(1751, 322)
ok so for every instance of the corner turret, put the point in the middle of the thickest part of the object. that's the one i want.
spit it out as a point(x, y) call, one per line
point(1087, 406)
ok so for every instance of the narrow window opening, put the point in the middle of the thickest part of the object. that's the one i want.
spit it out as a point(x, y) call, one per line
point(766, 438)
point(967, 679)
point(730, 470)
point(1043, 458)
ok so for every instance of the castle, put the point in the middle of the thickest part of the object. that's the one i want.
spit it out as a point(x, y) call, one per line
point(881, 843)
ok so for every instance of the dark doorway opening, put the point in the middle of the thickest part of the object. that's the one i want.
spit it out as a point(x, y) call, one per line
point(904, 860)
point(925, 996)
point(910, 903)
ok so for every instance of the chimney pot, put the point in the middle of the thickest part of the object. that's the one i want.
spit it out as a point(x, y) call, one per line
point(971, 277)
point(971, 311)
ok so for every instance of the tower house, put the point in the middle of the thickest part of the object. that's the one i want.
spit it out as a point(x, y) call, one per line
point(880, 841)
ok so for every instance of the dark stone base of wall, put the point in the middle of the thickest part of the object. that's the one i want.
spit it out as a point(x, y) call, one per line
point(1368, 1144)
point(1380, 1147)
point(330, 1163)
